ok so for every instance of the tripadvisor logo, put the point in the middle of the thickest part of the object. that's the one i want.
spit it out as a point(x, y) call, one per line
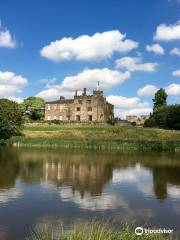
point(139, 231)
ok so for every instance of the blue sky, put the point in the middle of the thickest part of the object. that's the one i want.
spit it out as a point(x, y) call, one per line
point(131, 46)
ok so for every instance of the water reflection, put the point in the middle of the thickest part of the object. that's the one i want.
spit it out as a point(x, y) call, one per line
point(89, 172)
point(54, 183)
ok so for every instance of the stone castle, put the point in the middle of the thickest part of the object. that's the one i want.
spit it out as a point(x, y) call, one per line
point(139, 120)
point(82, 108)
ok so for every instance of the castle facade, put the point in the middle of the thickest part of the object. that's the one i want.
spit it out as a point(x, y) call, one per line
point(82, 108)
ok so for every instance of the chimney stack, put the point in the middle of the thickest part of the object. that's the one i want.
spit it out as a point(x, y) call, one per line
point(84, 91)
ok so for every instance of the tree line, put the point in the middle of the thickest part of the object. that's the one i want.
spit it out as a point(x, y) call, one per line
point(14, 115)
point(164, 116)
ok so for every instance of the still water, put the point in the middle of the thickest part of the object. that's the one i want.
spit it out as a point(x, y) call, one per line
point(40, 186)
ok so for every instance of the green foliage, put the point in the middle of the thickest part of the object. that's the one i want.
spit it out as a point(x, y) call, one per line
point(111, 120)
point(168, 117)
point(165, 116)
point(173, 117)
point(55, 121)
point(150, 122)
point(98, 137)
point(160, 116)
point(10, 119)
point(91, 231)
point(160, 99)
point(133, 124)
point(33, 108)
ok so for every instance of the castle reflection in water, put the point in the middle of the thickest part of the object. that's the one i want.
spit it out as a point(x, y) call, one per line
point(89, 172)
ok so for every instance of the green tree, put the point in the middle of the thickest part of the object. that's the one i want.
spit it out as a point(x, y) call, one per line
point(33, 108)
point(150, 122)
point(160, 116)
point(112, 120)
point(10, 119)
point(160, 99)
point(173, 117)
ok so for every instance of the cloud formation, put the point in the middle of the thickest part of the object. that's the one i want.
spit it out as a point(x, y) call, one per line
point(155, 48)
point(124, 106)
point(6, 39)
point(176, 73)
point(173, 89)
point(175, 51)
point(168, 32)
point(148, 90)
point(96, 47)
point(11, 84)
point(87, 78)
point(133, 64)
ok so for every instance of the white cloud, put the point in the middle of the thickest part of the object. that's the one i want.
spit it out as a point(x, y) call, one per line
point(87, 78)
point(173, 89)
point(96, 47)
point(175, 51)
point(135, 64)
point(173, 191)
point(137, 175)
point(9, 195)
point(148, 90)
point(124, 106)
point(16, 99)
point(168, 32)
point(11, 84)
point(155, 48)
point(176, 73)
point(108, 200)
point(6, 39)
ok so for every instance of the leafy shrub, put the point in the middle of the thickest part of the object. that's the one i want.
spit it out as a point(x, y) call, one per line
point(10, 119)
point(173, 117)
point(111, 120)
point(133, 124)
point(150, 122)
point(55, 121)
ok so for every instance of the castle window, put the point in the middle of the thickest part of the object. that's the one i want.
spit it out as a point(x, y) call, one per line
point(90, 118)
point(78, 109)
point(60, 118)
point(48, 107)
point(80, 101)
point(54, 117)
point(49, 118)
point(89, 109)
point(89, 101)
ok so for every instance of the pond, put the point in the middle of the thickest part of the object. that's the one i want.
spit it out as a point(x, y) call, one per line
point(40, 186)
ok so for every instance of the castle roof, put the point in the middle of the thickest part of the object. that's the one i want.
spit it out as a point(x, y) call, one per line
point(61, 101)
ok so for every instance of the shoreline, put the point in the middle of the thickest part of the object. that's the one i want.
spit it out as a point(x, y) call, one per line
point(124, 145)
point(102, 137)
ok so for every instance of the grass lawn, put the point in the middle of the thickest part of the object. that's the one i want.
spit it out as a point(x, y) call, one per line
point(98, 135)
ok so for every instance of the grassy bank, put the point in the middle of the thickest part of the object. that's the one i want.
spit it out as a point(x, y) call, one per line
point(99, 137)
point(92, 231)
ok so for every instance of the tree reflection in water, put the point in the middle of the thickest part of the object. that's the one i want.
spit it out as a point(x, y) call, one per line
point(86, 172)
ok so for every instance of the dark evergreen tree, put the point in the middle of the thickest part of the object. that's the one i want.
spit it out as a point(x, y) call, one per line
point(160, 99)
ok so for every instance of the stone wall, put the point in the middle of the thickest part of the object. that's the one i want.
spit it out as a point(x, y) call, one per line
point(139, 120)
point(83, 108)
